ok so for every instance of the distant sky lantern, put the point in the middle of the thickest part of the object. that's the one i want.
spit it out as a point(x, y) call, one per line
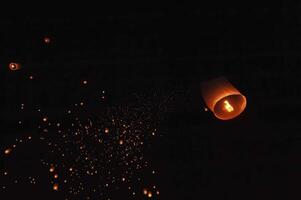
point(223, 99)
point(14, 66)
point(55, 187)
point(47, 40)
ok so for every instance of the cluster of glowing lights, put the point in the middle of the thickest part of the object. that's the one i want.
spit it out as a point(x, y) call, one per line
point(47, 40)
point(125, 137)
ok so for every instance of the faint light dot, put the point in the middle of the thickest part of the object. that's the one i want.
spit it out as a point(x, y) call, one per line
point(29, 137)
point(56, 176)
point(7, 151)
point(149, 195)
point(158, 192)
point(153, 172)
point(205, 109)
point(5, 173)
point(55, 187)
point(14, 66)
point(85, 82)
point(81, 103)
point(47, 40)
point(31, 77)
point(45, 119)
point(123, 179)
point(106, 130)
point(121, 142)
point(145, 191)
point(51, 169)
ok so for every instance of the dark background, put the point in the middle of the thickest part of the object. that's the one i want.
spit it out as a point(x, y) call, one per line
point(256, 155)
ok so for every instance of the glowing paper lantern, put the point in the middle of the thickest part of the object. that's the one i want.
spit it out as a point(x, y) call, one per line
point(47, 40)
point(14, 66)
point(56, 187)
point(223, 99)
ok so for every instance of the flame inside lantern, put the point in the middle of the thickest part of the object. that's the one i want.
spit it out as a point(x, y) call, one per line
point(14, 66)
point(223, 99)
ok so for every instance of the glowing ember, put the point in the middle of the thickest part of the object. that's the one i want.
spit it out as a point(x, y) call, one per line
point(228, 106)
point(145, 192)
point(14, 66)
point(55, 187)
point(7, 151)
point(47, 40)
point(51, 169)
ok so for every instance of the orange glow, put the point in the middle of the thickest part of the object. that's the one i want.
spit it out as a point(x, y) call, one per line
point(145, 191)
point(149, 194)
point(223, 99)
point(106, 130)
point(47, 40)
point(56, 176)
point(14, 66)
point(7, 151)
point(56, 187)
point(228, 106)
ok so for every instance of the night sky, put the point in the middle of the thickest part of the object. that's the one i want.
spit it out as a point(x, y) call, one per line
point(109, 106)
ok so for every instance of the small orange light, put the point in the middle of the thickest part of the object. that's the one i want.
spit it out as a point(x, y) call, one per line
point(56, 176)
point(106, 130)
point(7, 151)
point(56, 187)
point(145, 191)
point(14, 66)
point(47, 40)
point(149, 195)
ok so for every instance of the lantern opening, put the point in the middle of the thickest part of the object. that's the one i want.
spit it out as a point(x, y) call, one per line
point(229, 106)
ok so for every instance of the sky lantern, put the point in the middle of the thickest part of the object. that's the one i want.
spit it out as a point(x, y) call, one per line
point(222, 98)
point(14, 66)
point(55, 187)
point(47, 40)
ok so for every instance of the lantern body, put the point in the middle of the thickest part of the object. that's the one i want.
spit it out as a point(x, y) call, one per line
point(47, 40)
point(223, 99)
point(14, 66)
